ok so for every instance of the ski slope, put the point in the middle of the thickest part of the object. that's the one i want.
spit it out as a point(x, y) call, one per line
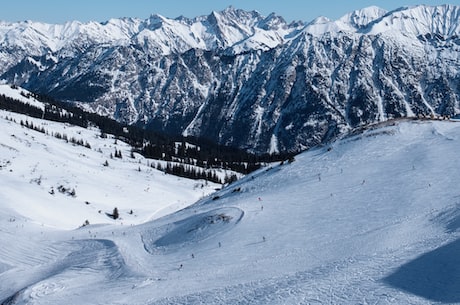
point(373, 218)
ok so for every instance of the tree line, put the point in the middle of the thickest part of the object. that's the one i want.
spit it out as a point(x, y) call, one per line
point(193, 172)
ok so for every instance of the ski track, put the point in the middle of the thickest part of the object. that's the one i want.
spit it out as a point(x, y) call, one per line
point(94, 257)
point(342, 282)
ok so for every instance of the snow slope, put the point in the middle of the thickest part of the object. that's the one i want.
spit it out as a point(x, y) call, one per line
point(21, 95)
point(39, 173)
point(371, 219)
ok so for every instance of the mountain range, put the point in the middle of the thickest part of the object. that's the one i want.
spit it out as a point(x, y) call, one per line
point(242, 79)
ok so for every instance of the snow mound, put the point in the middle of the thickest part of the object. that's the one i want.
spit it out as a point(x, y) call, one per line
point(193, 229)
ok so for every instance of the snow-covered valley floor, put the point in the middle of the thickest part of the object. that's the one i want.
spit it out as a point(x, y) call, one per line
point(370, 219)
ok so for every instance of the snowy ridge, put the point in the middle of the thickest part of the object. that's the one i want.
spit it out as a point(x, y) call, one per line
point(37, 37)
point(220, 30)
point(415, 20)
point(420, 20)
point(350, 23)
point(371, 218)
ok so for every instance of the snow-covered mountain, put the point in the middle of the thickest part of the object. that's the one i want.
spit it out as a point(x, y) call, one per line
point(372, 218)
point(243, 79)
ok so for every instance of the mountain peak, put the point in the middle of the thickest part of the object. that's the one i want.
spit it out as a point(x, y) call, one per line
point(238, 15)
point(230, 8)
point(363, 17)
point(272, 21)
point(320, 20)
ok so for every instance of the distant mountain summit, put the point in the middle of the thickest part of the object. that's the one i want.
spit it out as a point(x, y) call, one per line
point(243, 79)
point(362, 18)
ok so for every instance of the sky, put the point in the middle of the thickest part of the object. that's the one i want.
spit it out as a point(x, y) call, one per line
point(59, 11)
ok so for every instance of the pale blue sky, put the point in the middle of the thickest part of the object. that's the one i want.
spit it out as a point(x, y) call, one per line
point(59, 11)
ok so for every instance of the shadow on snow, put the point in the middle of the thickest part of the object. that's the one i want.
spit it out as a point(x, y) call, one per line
point(434, 275)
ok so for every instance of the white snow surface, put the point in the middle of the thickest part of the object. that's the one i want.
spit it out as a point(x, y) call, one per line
point(21, 95)
point(373, 218)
